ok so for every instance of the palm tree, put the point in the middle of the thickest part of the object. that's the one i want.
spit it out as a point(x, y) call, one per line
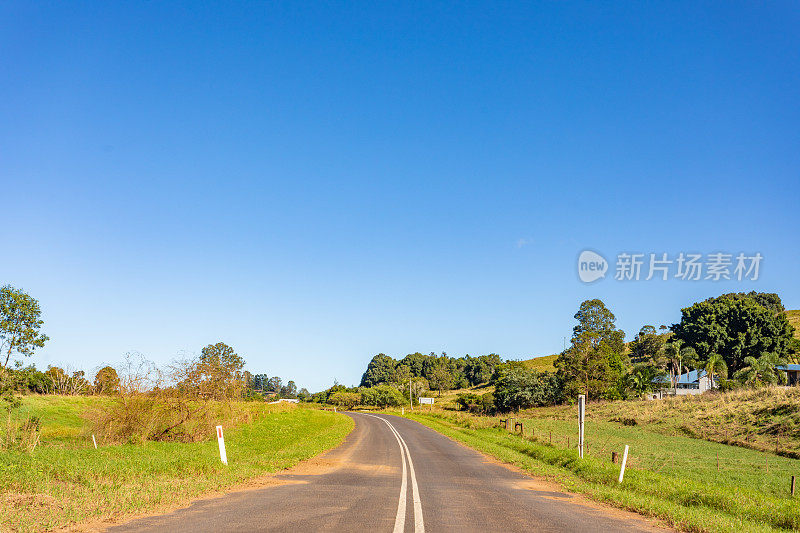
point(672, 353)
point(642, 378)
point(688, 357)
point(762, 371)
point(715, 365)
point(677, 357)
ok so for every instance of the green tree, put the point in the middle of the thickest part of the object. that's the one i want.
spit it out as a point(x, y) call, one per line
point(518, 388)
point(440, 377)
point(290, 390)
point(646, 345)
point(415, 363)
point(381, 396)
point(761, 371)
point(715, 366)
point(402, 374)
point(793, 350)
point(20, 322)
point(106, 381)
point(677, 357)
point(734, 327)
point(479, 370)
point(597, 323)
point(768, 300)
point(345, 399)
point(32, 380)
point(595, 363)
point(218, 372)
point(379, 370)
point(260, 382)
point(275, 384)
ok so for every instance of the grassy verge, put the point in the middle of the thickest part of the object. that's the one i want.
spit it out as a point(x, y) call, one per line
point(766, 419)
point(66, 481)
point(690, 498)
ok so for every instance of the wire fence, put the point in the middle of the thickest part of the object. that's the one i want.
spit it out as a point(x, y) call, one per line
point(674, 455)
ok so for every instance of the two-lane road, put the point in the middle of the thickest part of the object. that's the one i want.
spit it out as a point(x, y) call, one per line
point(393, 474)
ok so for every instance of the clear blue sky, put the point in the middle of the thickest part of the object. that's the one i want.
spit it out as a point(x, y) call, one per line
point(314, 184)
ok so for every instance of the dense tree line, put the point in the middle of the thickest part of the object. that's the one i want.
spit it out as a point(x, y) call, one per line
point(439, 371)
point(738, 339)
point(743, 336)
point(383, 395)
point(264, 385)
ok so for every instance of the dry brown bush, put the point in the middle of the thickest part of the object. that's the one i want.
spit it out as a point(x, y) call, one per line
point(165, 404)
point(21, 435)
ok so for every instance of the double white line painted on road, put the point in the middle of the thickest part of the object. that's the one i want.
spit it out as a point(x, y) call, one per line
point(400, 519)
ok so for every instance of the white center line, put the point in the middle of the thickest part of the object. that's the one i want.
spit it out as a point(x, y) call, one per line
point(399, 523)
point(400, 519)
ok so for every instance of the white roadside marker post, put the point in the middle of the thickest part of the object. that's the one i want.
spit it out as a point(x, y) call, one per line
point(221, 440)
point(624, 460)
point(94, 441)
point(581, 413)
point(403, 411)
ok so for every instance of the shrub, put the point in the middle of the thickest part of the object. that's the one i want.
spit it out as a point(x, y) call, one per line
point(21, 436)
point(468, 401)
point(487, 404)
point(474, 403)
point(149, 408)
point(382, 396)
point(345, 399)
point(518, 388)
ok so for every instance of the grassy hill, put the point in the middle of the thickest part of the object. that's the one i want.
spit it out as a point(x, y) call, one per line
point(794, 319)
point(541, 363)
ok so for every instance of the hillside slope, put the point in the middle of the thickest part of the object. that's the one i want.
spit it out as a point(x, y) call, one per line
point(794, 319)
point(542, 363)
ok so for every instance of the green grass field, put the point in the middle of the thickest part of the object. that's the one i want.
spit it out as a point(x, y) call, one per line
point(541, 364)
point(66, 481)
point(672, 477)
point(763, 419)
point(794, 320)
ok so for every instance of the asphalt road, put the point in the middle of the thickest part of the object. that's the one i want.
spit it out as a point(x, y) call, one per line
point(393, 475)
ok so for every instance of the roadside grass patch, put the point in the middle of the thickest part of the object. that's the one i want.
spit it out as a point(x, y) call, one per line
point(688, 497)
point(66, 481)
point(766, 419)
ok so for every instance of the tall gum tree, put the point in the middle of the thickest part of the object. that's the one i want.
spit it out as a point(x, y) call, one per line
point(20, 324)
